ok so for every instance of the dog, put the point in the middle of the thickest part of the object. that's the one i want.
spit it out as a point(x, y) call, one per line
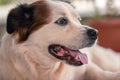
point(45, 40)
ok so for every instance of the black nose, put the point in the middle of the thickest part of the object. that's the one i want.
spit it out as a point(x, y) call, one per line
point(92, 34)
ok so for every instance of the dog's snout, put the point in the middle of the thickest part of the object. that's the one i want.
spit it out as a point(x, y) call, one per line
point(92, 34)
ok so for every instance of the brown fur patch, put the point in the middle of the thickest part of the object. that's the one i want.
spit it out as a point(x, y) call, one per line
point(25, 19)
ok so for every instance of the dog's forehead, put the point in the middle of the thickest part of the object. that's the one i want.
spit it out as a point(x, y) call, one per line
point(62, 9)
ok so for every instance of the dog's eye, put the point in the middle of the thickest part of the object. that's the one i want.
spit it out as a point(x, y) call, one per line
point(62, 21)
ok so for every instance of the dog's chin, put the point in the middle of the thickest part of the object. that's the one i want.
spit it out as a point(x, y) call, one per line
point(69, 55)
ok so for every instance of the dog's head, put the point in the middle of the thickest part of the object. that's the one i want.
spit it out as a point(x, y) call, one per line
point(54, 26)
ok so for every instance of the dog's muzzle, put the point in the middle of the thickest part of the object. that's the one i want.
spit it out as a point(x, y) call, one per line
point(74, 56)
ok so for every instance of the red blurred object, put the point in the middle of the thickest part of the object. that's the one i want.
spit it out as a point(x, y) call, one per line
point(109, 32)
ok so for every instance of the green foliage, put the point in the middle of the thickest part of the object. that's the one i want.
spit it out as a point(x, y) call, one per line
point(3, 2)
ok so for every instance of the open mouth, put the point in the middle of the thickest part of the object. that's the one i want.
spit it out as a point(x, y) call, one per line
point(72, 57)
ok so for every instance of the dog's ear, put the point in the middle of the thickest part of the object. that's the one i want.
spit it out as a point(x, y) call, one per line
point(25, 19)
point(19, 17)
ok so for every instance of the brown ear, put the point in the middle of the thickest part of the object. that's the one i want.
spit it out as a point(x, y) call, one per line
point(19, 17)
point(25, 18)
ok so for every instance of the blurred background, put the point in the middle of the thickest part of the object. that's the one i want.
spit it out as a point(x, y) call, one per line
point(103, 15)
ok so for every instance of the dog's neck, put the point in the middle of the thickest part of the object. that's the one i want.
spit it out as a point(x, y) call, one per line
point(45, 65)
point(27, 58)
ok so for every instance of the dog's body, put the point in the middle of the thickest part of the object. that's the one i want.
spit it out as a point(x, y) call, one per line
point(25, 52)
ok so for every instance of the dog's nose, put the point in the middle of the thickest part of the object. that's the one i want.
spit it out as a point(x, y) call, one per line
point(92, 34)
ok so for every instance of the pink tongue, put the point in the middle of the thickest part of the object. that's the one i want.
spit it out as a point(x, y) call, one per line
point(83, 58)
point(79, 56)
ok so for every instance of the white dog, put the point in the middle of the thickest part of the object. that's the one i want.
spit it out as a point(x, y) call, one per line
point(43, 41)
